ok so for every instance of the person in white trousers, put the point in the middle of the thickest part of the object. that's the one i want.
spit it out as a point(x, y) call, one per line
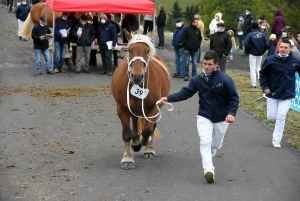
point(22, 12)
point(277, 79)
point(218, 103)
point(256, 44)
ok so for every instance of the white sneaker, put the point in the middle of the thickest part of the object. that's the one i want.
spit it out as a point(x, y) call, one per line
point(213, 152)
point(276, 144)
point(209, 175)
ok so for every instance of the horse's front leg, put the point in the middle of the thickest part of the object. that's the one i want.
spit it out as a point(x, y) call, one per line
point(135, 137)
point(127, 162)
point(147, 139)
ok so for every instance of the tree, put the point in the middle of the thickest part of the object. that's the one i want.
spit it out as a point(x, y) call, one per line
point(176, 12)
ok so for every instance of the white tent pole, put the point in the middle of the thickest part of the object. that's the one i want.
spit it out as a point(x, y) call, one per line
point(53, 44)
point(153, 30)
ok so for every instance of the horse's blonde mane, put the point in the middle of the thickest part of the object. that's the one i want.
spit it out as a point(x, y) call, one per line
point(137, 38)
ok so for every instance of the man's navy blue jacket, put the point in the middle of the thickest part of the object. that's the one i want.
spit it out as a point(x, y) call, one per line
point(256, 43)
point(22, 12)
point(177, 41)
point(106, 32)
point(278, 75)
point(217, 98)
point(60, 24)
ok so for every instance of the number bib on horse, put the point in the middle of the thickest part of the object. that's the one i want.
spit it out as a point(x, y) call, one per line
point(138, 92)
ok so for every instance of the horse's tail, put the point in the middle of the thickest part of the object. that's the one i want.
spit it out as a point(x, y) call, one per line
point(27, 27)
point(141, 123)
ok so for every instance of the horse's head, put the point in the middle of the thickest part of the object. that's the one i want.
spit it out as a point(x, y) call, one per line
point(140, 50)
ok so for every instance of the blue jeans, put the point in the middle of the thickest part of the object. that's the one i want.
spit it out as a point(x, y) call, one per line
point(179, 61)
point(241, 41)
point(189, 54)
point(161, 36)
point(59, 54)
point(38, 53)
point(230, 53)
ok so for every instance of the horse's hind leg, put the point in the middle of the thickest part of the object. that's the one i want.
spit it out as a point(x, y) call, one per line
point(135, 138)
point(127, 162)
point(148, 140)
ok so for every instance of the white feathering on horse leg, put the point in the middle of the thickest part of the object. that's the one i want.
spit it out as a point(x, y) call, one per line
point(127, 156)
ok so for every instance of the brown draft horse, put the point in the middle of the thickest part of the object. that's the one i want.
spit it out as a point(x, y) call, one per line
point(144, 68)
point(39, 10)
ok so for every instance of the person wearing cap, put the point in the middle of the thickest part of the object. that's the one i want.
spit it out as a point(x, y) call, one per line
point(287, 34)
point(221, 44)
point(278, 24)
point(61, 32)
point(201, 28)
point(272, 44)
point(84, 35)
point(177, 43)
point(191, 40)
point(218, 103)
point(22, 13)
point(41, 45)
point(106, 32)
point(249, 19)
point(240, 31)
point(277, 80)
point(213, 24)
point(256, 44)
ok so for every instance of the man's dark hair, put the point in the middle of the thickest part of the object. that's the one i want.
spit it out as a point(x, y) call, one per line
point(249, 9)
point(211, 55)
point(287, 41)
point(254, 25)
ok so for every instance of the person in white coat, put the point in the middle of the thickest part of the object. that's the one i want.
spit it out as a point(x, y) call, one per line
point(213, 24)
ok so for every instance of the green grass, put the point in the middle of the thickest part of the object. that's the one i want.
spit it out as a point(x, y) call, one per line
point(249, 103)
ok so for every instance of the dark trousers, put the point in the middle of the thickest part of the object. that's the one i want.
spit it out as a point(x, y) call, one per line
point(115, 57)
point(222, 63)
point(199, 55)
point(161, 36)
point(93, 58)
point(148, 26)
point(241, 42)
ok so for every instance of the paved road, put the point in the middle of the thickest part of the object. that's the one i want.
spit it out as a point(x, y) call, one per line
point(68, 146)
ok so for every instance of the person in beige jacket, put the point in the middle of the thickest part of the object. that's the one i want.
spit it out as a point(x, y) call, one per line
point(233, 44)
point(201, 28)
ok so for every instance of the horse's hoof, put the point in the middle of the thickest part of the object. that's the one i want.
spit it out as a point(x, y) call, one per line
point(149, 155)
point(136, 148)
point(127, 166)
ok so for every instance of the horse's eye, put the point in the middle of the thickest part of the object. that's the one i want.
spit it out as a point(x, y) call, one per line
point(148, 51)
point(129, 51)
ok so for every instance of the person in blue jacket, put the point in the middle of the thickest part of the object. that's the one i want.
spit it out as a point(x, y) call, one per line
point(277, 80)
point(256, 44)
point(179, 49)
point(22, 13)
point(61, 33)
point(106, 32)
point(218, 104)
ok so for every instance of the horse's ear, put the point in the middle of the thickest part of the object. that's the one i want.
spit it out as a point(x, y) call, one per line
point(128, 35)
point(149, 34)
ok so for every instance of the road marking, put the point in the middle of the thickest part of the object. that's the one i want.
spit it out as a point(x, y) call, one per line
point(13, 65)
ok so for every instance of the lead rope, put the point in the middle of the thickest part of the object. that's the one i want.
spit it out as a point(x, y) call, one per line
point(159, 114)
